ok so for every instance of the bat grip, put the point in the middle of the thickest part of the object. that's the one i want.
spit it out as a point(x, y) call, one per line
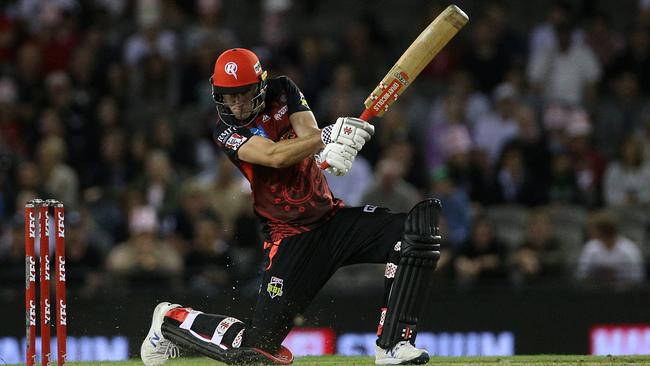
point(366, 115)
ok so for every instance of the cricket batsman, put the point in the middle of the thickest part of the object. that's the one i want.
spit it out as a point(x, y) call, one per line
point(267, 129)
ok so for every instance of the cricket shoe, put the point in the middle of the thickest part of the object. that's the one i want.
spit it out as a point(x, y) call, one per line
point(403, 353)
point(155, 349)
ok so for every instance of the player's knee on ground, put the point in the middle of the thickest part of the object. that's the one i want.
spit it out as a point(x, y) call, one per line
point(419, 254)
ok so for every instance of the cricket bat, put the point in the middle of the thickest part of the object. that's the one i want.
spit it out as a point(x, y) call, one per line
point(414, 60)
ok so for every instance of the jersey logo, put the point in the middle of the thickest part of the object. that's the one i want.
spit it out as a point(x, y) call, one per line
point(281, 112)
point(235, 141)
point(222, 136)
point(275, 287)
point(259, 131)
point(231, 69)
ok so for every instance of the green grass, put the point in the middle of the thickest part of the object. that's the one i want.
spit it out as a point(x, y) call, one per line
point(542, 360)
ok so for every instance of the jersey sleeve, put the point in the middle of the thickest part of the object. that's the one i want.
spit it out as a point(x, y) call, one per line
point(230, 139)
point(296, 101)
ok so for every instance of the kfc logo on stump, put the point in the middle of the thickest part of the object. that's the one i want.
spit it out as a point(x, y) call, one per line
point(63, 318)
point(60, 228)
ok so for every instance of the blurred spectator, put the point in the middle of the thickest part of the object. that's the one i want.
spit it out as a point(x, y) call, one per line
point(620, 113)
point(513, 183)
point(488, 60)
point(470, 174)
point(567, 72)
point(601, 37)
point(636, 56)
point(540, 256)
point(313, 67)
point(363, 40)
point(482, 256)
point(609, 257)
point(474, 104)
point(173, 141)
point(84, 257)
point(448, 132)
point(11, 129)
point(587, 162)
point(351, 186)
point(455, 207)
point(207, 261)
point(144, 257)
point(111, 174)
point(151, 37)
point(159, 183)
point(194, 204)
point(344, 86)
point(626, 179)
point(209, 24)
point(493, 130)
point(59, 180)
point(530, 140)
point(390, 189)
point(563, 186)
point(228, 195)
point(12, 253)
point(544, 36)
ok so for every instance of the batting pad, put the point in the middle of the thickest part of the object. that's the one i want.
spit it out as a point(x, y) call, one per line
point(420, 251)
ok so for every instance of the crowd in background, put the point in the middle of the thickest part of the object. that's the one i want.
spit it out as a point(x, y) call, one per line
point(537, 140)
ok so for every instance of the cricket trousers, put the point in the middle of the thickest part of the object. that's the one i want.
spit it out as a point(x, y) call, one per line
point(297, 267)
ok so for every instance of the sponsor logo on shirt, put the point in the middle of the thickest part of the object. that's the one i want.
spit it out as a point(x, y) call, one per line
point(259, 131)
point(222, 136)
point(281, 112)
point(235, 141)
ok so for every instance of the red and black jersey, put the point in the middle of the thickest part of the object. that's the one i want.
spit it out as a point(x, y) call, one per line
point(288, 200)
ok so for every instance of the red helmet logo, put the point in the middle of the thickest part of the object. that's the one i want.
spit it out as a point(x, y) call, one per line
point(231, 69)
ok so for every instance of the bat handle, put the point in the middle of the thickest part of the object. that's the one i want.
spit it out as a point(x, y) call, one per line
point(366, 115)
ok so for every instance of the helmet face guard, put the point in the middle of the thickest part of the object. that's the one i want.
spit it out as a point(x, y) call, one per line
point(224, 111)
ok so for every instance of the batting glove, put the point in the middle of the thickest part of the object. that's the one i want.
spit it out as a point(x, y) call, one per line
point(339, 157)
point(349, 131)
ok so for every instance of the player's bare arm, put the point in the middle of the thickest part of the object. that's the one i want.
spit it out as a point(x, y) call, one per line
point(281, 154)
point(263, 151)
point(304, 123)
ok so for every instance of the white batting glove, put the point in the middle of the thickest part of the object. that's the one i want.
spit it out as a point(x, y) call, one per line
point(350, 131)
point(339, 157)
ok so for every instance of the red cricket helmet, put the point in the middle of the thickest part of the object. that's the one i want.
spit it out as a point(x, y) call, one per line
point(236, 71)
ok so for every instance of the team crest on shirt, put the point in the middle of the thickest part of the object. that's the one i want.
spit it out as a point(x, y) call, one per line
point(274, 287)
point(235, 141)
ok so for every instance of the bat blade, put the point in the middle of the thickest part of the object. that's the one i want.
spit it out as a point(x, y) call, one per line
point(425, 47)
